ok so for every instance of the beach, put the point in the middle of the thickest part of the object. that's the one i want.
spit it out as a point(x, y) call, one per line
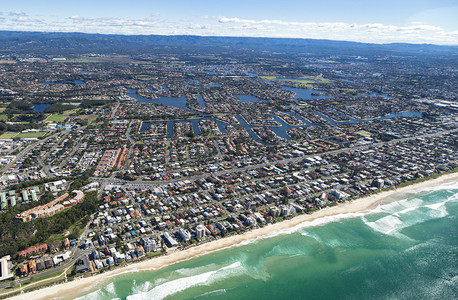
point(345, 210)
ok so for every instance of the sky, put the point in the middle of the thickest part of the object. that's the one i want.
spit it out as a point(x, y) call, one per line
point(372, 21)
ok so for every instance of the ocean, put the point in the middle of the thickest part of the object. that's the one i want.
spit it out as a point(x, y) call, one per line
point(405, 249)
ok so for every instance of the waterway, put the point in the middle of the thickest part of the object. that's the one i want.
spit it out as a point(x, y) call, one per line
point(41, 107)
point(196, 84)
point(306, 94)
point(201, 101)
point(180, 102)
point(74, 82)
point(250, 131)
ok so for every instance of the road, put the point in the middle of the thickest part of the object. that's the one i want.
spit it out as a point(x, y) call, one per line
point(78, 253)
point(75, 148)
point(131, 149)
point(115, 109)
point(24, 152)
point(31, 147)
point(149, 184)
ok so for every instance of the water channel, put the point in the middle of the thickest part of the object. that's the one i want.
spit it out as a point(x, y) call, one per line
point(281, 131)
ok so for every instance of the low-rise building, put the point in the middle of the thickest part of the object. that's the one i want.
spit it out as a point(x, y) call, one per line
point(33, 250)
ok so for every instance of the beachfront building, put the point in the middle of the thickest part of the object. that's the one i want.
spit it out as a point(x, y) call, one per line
point(5, 268)
point(169, 241)
point(200, 231)
point(149, 244)
point(339, 195)
point(84, 267)
point(275, 212)
point(23, 270)
point(32, 266)
point(184, 235)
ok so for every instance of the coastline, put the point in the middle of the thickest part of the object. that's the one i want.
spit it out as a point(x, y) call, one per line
point(357, 206)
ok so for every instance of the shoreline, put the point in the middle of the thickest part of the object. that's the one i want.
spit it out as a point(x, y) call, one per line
point(360, 205)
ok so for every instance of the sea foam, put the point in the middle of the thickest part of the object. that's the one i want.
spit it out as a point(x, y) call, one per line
point(406, 213)
point(107, 292)
point(445, 186)
point(314, 223)
point(142, 288)
point(214, 293)
point(178, 285)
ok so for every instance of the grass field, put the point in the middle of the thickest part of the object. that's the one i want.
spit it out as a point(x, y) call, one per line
point(31, 134)
point(269, 78)
point(71, 111)
point(363, 133)
point(348, 91)
point(317, 79)
point(8, 135)
point(90, 118)
point(305, 81)
point(55, 118)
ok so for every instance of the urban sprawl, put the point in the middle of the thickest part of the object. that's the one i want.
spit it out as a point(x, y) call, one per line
point(149, 154)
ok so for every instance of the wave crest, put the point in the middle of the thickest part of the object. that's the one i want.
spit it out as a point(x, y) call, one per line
point(178, 285)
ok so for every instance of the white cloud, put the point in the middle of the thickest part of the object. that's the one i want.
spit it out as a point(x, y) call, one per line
point(17, 13)
point(23, 19)
point(417, 32)
point(154, 23)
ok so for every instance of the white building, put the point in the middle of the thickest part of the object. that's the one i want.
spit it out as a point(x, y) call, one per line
point(200, 231)
point(5, 268)
point(184, 234)
point(169, 240)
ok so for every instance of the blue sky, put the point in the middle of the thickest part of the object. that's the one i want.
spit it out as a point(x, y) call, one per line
point(378, 21)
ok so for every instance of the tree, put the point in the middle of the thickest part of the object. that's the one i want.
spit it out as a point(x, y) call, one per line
point(118, 241)
point(190, 134)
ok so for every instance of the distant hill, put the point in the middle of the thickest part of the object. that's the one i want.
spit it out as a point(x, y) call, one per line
point(52, 43)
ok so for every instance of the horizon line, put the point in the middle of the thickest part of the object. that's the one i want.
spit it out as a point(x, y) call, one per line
point(230, 36)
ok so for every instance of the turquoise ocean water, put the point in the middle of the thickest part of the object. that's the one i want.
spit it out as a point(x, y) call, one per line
point(406, 249)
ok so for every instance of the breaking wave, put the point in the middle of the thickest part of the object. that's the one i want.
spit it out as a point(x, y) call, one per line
point(406, 213)
point(107, 292)
point(178, 285)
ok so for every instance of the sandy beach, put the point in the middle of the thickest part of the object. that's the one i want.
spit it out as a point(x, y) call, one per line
point(348, 209)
